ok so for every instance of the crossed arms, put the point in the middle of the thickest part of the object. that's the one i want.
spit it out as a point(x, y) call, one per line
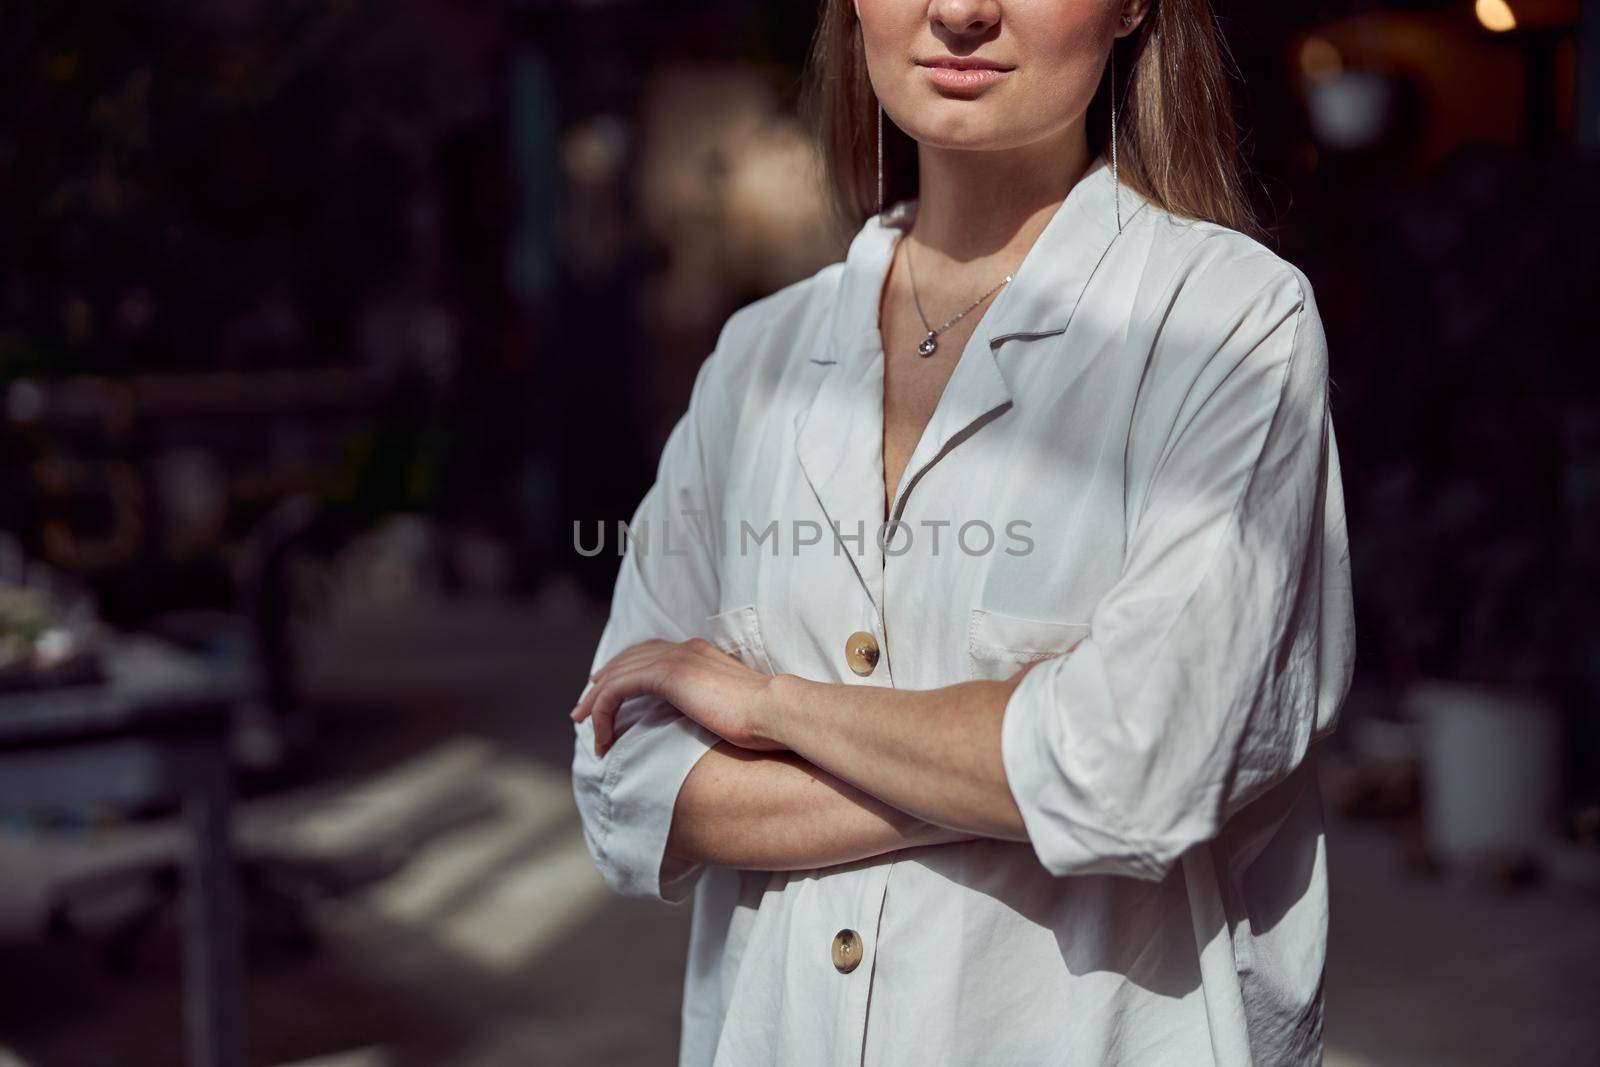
point(808, 774)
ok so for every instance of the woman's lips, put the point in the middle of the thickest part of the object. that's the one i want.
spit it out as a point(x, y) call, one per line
point(964, 80)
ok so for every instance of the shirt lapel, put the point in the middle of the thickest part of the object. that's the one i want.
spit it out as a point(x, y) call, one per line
point(839, 435)
point(1039, 302)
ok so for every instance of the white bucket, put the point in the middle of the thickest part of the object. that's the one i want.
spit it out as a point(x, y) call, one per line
point(1490, 763)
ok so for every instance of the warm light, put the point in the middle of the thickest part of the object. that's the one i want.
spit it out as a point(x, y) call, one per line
point(1319, 59)
point(1496, 15)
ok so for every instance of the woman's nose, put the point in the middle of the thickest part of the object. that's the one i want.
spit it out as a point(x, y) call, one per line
point(965, 17)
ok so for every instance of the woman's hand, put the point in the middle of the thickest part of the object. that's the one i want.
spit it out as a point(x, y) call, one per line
point(694, 676)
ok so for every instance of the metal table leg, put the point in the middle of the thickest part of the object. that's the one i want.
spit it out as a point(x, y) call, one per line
point(213, 992)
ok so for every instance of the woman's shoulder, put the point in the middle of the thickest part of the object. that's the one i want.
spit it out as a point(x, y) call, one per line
point(803, 302)
point(762, 339)
point(1224, 299)
point(1218, 266)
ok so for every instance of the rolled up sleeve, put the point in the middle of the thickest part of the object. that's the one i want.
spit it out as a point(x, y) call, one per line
point(666, 587)
point(1208, 668)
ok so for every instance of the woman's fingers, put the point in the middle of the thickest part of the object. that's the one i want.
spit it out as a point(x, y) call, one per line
point(635, 678)
point(580, 710)
point(648, 667)
point(645, 649)
point(1026, 667)
point(1022, 672)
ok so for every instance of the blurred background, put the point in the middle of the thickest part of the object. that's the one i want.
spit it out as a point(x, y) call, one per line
point(322, 324)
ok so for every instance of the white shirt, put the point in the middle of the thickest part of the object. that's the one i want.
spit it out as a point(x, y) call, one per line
point(1140, 419)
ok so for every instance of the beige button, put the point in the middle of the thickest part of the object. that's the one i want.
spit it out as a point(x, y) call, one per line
point(846, 951)
point(861, 652)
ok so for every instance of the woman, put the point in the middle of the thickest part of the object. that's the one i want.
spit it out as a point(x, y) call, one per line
point(1025, 779)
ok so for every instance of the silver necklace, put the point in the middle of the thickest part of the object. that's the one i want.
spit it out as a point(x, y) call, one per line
point(930, 344)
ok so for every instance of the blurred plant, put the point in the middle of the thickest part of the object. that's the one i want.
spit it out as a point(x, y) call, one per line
point(47, 624)
point(187, 189)
point(24, 613)
point(187, 183)
point(1463, 581)
point(1468, 559)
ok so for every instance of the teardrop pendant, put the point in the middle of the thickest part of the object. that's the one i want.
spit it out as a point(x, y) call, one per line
point(928, 344)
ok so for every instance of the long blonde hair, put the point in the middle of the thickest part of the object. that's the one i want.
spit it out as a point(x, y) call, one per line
point(1177, 145)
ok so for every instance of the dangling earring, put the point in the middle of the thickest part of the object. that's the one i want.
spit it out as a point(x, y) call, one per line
point(1116, 185)
point(880, 159)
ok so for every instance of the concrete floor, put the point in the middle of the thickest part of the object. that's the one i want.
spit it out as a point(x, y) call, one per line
point(474, 933)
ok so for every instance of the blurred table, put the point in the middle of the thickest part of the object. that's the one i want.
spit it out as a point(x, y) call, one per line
point(154, 730)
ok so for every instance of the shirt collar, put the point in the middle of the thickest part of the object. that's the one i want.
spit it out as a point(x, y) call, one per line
point(1044, 289)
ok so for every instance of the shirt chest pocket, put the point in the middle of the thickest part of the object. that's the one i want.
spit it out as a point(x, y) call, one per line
point(1000, 645)
point(737, 632)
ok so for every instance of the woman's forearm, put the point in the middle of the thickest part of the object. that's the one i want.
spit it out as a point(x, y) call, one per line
point(774, 811)
point(934, 754)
